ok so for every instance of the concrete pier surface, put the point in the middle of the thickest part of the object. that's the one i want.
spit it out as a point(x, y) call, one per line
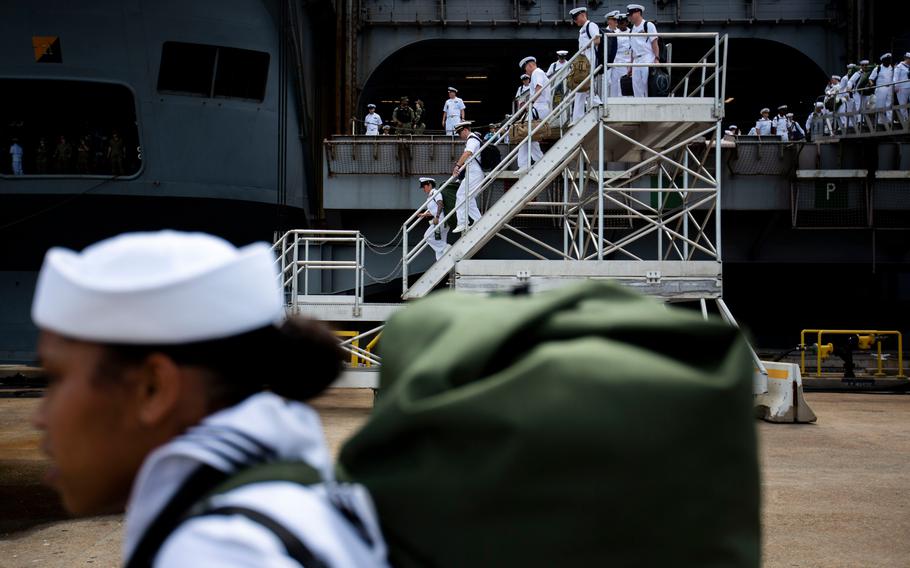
point(835, 494)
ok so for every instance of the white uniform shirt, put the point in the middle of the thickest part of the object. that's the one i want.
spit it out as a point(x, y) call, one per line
point(373, 122)
point(642, 50)
point(522, 92)
point(902, 73)
point(854, 79)
point(264, 427)
point(585, 33)
point(540, 79)
point(433, 207)
point(16, 151)
point(815, 123)
point(763, 127)
point(781, 126)
point(623, 47)
point(882, 75)
point(555, 67)
point(475, 172)
point(453, 108)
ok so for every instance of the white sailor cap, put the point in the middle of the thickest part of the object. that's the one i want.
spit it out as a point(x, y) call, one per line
point(632, 7)
point(527, 60)
point(789, 115)
point(835, 77)
point(864, 62)
point(371, 105)
point(884, 56)
point(525, 76)
point(155, 288)
point(782, 107)
point(453, 90)
point(462, 125)
point(386, 127)
point(907, 55)
point(562, 53)
point(611, 14)
point(428, 180)
point(819, 104)
point(764, 110)
point(851, 65)
point(734, 127)
point(576, 11)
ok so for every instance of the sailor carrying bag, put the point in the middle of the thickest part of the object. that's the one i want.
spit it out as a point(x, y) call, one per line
point(519, 131)
point(580, 70)
point(584, 426)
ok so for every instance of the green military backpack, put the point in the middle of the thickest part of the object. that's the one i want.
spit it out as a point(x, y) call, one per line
point(587, 426)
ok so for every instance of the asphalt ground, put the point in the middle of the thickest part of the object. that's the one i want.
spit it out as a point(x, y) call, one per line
point(836, 494)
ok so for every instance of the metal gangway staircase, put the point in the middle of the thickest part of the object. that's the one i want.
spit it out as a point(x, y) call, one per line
point(632, 192)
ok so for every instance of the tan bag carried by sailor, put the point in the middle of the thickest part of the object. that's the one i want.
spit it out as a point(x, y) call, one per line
point(581, 68)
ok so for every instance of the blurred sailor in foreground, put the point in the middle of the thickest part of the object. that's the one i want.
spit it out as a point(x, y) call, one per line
point(172, 370)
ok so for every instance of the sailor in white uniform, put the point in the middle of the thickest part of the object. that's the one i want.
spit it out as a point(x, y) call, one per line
point(588, 38)
point(817, 123)
point(611, 21)
point(645, 49)
point(902, 87)
point(559, 63)
point(794, 130)
point(521, 94)
point(437, 233)
point(540, 108)
point(780, 123)
point(174, 369)
point(860, 92)
point(883, 75)
point(623, 55)
point(372, 121)
point(15, 151)
point(764, 126)
point(452, 111)
point(469, 162)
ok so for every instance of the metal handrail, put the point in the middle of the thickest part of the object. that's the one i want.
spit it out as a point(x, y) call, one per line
point(524, 113)
point(820, 332)
point(292, 266)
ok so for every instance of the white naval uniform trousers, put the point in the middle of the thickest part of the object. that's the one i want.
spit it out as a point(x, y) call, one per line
point(642, 53)
point(541, 111)
point(623, 55)
point(472, 180)
point(440, 245)
point(902, 89)
point(452, 108)
point(883, 76)
point(585, 33)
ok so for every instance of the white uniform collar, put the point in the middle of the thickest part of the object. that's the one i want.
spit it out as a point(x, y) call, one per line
point(264, 427)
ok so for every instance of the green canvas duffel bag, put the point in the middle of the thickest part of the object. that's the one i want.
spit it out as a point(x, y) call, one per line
point(587, 426)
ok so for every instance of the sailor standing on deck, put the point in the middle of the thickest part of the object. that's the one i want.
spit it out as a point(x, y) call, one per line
point(645, 49)
point(816, 124)
point(469, 162)
point(860, 80)
point(437, 233)
point(521, 94)
point(372, 121)
point(540, 108)
point(175, 373)
point(611, 48)
point(902, 88)
point(559, 63)
point(781, 128)
point(623, 55)
point(883, 75)
point(452, 111)
point(763, 126)
point(15, 151)
point(587, 31)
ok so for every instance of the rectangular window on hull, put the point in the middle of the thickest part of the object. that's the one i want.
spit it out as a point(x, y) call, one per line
point(213, 71)
point(68, 128)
